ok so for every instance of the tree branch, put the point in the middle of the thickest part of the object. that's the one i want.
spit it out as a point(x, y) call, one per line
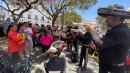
point(29, 7)
point(51, 7)
point(44, 14)
point(59, 10)
point(47, 10)
point(34, 2)
point(23, 3)
point(5, 8)
point(6, 5)
point(60, 2)
point(27, 2)
point(16, 9)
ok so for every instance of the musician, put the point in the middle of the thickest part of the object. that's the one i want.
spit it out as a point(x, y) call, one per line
point(113, 47)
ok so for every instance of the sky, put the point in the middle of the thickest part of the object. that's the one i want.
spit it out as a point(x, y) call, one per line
point(91, 13)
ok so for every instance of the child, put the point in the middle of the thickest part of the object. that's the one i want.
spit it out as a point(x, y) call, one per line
point(14, 42)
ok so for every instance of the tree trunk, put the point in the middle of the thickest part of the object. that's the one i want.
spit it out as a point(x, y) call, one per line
point(16, 19)
point(53, 22)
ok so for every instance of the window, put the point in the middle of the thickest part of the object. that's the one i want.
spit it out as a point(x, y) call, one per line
point(36, 7)
point(48, 21)
point(29, 16)
point(36, 17)
point(43, 18)
point(21, 16)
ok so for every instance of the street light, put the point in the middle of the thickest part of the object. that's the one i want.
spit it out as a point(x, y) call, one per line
point(63, 18)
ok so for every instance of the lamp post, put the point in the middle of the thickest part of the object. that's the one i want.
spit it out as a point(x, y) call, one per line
point(62, 20)
point(1, 5)
point(63, 10)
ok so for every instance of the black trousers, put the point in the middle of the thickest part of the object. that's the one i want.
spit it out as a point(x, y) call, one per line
point(83, 55)
point(75, 46)
point(34, 42)
point(111, 69)
point(45, 48)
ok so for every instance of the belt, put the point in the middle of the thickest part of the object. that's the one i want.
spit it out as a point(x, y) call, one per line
point(84, 45)
point(118, 65)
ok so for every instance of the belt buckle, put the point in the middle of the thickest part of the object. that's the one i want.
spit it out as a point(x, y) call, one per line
point(121, 64)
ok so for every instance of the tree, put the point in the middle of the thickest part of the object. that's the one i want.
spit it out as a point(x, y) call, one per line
point(55, 7)
point(102, 22)
point(69, 18)
point(20, 7)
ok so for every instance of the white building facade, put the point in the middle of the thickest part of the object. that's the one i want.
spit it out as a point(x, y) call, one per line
point(33, 16)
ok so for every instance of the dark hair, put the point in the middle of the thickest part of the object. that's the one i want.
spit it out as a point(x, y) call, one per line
point(45, 31)
point(8, 29)
point(56, 36)
point(25, 22)
point(30, 25)
point(19, 26)
point(122, 19)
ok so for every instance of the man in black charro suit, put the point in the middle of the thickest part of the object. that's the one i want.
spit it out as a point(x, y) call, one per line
point(113, 47)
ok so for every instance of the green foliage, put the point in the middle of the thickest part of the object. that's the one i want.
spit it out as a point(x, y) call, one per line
point(112, 6)
point(128, 9)
point(100, 19)
point(56, 7)
point(82, 4)
point(69, 18)
point(85, 4)
point(59, 5)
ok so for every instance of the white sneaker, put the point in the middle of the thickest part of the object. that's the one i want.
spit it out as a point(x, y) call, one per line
point(36, 49)
point(32, 53)
point(28, 55)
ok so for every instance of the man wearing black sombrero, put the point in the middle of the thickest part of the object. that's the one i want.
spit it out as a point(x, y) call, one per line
point(113, 47)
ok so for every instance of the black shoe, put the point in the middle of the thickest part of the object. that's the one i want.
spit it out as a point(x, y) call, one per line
point(83, 68)
point(78, 65)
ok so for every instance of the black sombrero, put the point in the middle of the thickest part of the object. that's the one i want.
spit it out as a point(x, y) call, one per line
point(117, 11)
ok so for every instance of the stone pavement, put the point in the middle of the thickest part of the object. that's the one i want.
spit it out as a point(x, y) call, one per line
point(38, 65)
point(71, 68)
point(3, 44)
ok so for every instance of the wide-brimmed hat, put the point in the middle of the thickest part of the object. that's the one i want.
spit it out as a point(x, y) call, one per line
point(115, 11)
point(53, 50)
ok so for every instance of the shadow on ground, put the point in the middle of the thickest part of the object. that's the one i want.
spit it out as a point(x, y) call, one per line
point(37, 52)
point(78, 70)
point(38, 70)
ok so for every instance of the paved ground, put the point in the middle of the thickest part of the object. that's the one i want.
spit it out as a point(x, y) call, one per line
point(71, 68)
point(38, 64)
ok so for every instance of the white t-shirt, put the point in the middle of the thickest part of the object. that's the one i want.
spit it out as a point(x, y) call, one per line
point(29, 32)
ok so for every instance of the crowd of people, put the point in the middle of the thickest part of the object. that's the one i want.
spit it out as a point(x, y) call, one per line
point(112, 48)
point(24, 37)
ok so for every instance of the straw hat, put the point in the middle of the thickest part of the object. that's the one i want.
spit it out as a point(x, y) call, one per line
point(115, 11)
point(53, 50)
